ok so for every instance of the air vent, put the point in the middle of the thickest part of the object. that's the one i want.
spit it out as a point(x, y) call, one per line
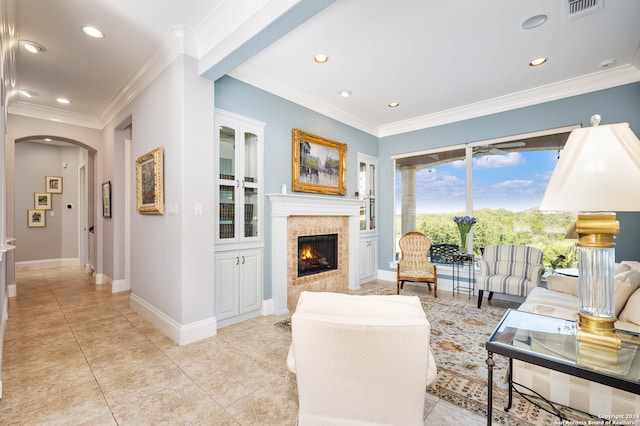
point(578, 8)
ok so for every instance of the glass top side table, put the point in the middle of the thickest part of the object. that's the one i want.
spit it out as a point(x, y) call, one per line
point(551, 342)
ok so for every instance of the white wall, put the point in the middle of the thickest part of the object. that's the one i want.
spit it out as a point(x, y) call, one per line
point(172, 254)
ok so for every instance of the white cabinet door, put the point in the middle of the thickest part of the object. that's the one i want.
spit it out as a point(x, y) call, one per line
point(250, 280)
point(238, 286)
point(368, 259)
point(227, 294)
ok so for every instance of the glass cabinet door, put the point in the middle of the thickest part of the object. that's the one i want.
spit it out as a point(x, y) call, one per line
point(227, 186)
point(239, 186)
point(250, 213)
point(362, 191)
point(367, 187)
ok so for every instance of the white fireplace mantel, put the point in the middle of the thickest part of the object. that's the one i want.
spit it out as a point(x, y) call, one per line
point(285, 205)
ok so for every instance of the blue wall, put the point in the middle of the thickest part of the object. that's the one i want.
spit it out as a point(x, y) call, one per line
point(281, 116)
point(619, 104)
point(616, 105)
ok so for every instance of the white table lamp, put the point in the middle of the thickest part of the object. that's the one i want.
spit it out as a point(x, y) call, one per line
point(597, 175)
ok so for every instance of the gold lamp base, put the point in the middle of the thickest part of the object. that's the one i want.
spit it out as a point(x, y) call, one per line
point(596, 331)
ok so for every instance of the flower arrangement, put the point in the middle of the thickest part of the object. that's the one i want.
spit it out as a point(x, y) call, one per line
point(464, 224)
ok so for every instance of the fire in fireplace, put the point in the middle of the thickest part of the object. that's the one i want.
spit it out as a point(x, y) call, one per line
point(317, 253)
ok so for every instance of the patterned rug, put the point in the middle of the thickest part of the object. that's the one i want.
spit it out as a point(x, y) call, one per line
point(459, 331)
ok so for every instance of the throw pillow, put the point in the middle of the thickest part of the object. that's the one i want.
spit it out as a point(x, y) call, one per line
point(631, 312)
point(563, 284)
point(621, 267)
point(625, 284)
point(632, 264)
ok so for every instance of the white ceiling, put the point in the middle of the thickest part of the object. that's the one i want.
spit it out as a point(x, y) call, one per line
point(441, 60)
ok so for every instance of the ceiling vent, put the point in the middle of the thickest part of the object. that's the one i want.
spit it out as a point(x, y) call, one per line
point(578, 8)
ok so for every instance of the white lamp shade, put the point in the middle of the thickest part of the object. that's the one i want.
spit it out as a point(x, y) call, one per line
point(598, 170)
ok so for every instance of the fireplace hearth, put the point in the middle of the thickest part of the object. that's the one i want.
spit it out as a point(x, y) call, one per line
point(317, 254)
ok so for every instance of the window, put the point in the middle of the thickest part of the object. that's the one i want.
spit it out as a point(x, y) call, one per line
point(500, 182)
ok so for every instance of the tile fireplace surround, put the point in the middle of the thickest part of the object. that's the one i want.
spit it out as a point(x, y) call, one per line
point(284, 206)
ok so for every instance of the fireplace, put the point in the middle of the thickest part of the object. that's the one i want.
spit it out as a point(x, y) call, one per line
point(317, 254)
point(293, 216)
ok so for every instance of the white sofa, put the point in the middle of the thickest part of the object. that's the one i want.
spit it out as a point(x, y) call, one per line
point(560, 299)
point(360, 359)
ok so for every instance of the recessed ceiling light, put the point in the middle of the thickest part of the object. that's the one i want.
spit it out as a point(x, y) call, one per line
point(28, 93)
point(345, 93)
point(92, 31)
point(607, 64)
point(394, 104)
point(63, 101)
point(32, 46)
point(321, 59)
point(537, 61)
point(534, 21)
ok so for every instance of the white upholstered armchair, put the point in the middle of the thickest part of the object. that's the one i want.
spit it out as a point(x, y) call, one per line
point(360, 359)
point(510, 269)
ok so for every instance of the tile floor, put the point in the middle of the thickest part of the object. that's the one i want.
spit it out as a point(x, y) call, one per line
point(75, 354)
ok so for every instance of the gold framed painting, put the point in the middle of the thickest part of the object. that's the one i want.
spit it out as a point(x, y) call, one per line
point(150, 182)
point(53, 184)
point(106, 199)
point(36, 218)
point(318, 164)
point(41, 200)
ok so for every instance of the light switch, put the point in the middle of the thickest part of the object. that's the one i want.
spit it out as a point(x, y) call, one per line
point(198, 209)
point(52, 213)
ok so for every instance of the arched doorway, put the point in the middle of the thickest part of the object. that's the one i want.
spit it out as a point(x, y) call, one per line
point(66, 211)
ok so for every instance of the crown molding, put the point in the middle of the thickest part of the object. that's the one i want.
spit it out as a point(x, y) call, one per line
point(176, 42)
point(564, 89)
point(299, 96)
point(54, 114)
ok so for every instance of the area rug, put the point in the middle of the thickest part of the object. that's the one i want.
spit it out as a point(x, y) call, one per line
point(459, 331)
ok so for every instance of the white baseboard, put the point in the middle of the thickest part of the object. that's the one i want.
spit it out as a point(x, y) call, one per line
point(12, 290)
point(267, 307)
point(46, 263)
point(120, 285)
point(100, 279)
point(179, 333)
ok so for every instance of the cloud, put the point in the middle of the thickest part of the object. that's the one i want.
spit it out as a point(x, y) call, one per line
point(511, 159)
point(515, 185)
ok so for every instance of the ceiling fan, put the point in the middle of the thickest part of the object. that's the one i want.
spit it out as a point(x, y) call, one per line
point(497, 149)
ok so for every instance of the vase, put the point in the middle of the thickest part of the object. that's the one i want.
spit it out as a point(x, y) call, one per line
point(463, 242)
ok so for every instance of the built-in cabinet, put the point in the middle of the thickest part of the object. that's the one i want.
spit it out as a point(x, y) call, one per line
point(367, 187)
point(239, 229)
point(238, 292)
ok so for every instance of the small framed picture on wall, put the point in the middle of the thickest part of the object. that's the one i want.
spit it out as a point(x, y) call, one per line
point(35, 218)
point(41, 201)
point(53, 184)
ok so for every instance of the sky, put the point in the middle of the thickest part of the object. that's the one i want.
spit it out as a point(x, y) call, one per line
point(515, 181)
